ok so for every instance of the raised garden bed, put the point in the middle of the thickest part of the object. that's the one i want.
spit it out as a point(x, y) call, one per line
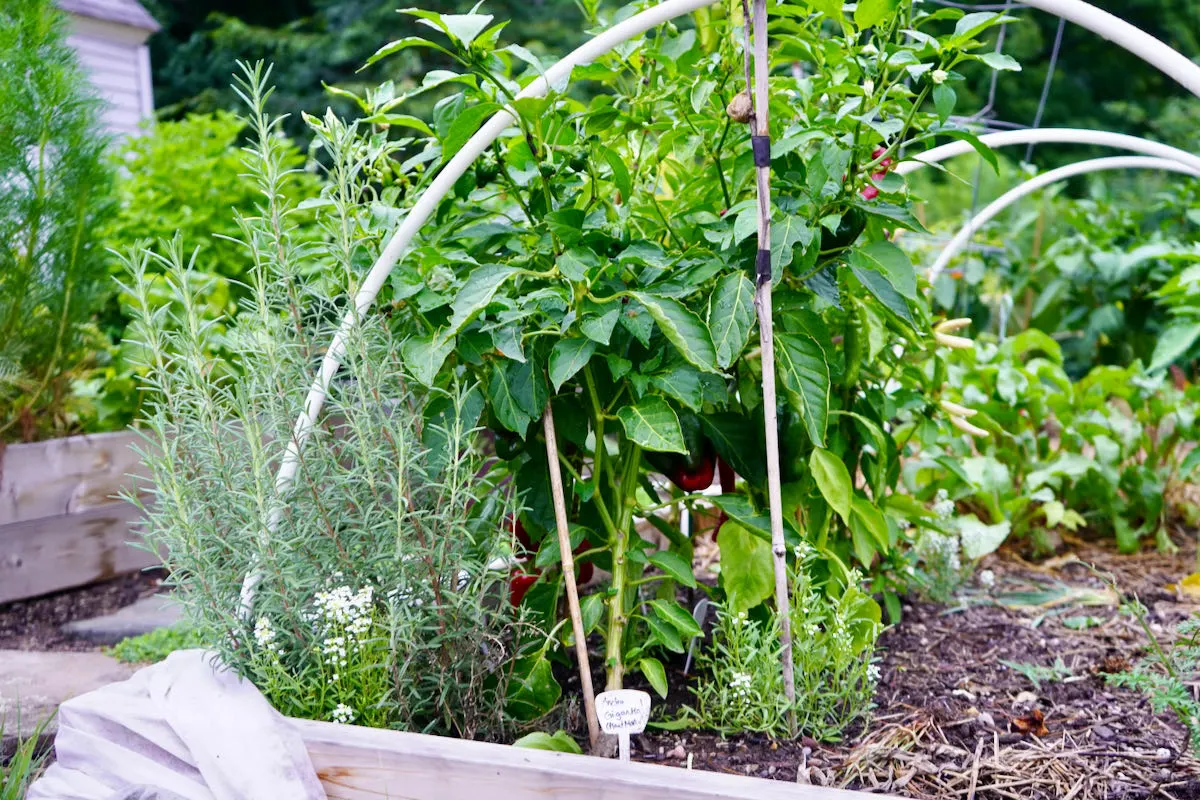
point(61, 522)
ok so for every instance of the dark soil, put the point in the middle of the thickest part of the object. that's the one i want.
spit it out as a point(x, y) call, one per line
point(952, 719)
point(34, 624)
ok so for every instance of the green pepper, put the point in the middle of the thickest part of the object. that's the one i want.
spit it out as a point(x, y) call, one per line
point(854, 220)
point(852, 345)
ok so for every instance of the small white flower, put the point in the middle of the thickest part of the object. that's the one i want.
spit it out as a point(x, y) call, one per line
point(944, 507)
point(872, 673)
point(939, 76)
point(264, 635)
point(987, 578)
point(870, 49)
point(343, 714)
point(868, 87)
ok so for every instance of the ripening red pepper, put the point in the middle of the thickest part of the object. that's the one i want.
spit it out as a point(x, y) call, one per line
point(727, 478)
point(695, 477)
point(871, 192)
point(518, 585)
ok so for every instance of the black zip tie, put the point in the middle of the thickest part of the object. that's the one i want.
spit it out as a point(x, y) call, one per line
point(762, 150)
point(762, 265)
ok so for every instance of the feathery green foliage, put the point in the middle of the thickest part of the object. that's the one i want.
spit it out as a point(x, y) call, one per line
point(55, 191)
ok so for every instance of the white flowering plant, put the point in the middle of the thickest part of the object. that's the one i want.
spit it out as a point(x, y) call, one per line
point(835, 626)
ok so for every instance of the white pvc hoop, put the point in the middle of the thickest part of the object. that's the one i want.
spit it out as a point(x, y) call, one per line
point(1101, 22)
point(1052, 136)
point(1030, 186)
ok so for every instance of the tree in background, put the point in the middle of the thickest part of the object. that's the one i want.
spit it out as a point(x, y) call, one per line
point(55, 192)
point(311, 42)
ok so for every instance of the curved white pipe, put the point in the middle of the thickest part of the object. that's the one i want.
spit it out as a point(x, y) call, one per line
point(1103, 23)
point(1053, 136)
point(1119, 32)
point(1033, 184)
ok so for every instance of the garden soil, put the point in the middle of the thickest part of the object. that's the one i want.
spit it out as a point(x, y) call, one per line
point(953, 717)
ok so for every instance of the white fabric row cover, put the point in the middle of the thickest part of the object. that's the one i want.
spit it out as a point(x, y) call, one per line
point(178, 730)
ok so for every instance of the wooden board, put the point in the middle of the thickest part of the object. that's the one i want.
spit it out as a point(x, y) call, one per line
point(65, 476)
point(53, 553)
point(357, 763)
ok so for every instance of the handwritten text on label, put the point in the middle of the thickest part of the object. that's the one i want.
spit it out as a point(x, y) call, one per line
point(623, 711)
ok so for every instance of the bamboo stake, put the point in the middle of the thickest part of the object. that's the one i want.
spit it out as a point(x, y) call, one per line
point(568, 567)
point(762, 301)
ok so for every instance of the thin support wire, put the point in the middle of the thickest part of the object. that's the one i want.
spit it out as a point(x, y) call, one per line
point(1041, 109)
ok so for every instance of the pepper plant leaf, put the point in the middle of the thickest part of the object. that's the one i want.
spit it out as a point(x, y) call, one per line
point(683, 329)
point(567, 358)
point(805, 377)
point(653, 424)
point(731, 316)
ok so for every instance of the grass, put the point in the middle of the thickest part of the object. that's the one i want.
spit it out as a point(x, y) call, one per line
point(156, 645)
point(25, 764)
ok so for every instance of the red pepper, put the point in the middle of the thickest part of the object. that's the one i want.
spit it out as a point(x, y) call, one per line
point(584, 572)
point(518, 585)
point(696, 478)
point(871, 192)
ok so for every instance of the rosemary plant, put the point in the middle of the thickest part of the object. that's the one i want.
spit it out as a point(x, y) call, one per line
point(378, 600)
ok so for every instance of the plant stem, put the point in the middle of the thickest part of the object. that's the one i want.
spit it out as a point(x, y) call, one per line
point(617, 619)
point(568, 568)
point(762, 300)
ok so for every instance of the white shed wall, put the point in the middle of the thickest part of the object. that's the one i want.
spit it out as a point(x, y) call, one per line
point(118, 61)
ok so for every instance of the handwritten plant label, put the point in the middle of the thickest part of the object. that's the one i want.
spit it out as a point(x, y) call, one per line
point(623, 711)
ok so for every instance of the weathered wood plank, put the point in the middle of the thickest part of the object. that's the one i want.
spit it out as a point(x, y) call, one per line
point(65, 476)
point(49, 554)
point(356, 763)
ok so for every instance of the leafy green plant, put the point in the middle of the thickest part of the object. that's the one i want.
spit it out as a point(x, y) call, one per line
point(741, 688)
point(1101, 452)
point(598, 259)
point(836, 625)
point(557, 742)
point(57, 193)
point(156, 645)
point(1103, 273)
point(1164, 675)
point(377, 591)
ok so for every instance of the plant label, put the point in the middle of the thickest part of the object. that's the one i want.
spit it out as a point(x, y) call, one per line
point(623, 712)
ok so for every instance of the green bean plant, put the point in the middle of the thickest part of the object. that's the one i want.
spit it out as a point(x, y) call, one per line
point(597, 260)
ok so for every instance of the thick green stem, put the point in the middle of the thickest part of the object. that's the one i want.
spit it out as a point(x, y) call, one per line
point(617, 617)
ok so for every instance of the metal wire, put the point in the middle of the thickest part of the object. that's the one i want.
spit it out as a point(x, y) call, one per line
point(1037, 119)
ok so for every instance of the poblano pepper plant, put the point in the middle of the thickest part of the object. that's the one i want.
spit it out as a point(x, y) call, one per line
point(599, 258)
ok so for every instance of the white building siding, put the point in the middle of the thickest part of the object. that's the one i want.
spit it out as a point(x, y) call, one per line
point(118, 62)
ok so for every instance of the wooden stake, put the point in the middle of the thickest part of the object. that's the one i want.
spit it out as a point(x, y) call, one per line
point(762, 302)
point(568, 567)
